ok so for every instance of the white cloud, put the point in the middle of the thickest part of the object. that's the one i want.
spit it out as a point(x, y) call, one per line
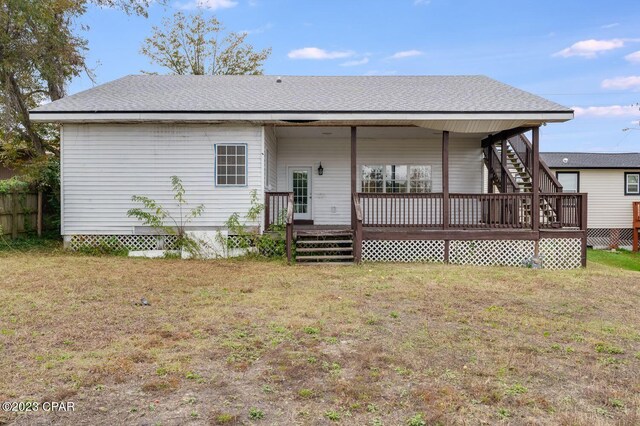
point(207, 4)
point(612, 25)
point(624, 83)
point(406, 54)
point(317, 53)
point(421, 2)
point(259, 30)
point(606, 111)
point(591, 48)
point(633, 57)
point(355, 62)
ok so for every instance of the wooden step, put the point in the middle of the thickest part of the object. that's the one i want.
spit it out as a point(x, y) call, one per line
point(328, 233)
point(321, 249)
point(332, 257)
point(324, 242)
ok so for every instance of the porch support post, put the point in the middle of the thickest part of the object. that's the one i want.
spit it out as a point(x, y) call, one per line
point(503, 169)
point(535, 179)
point(354, 167)
point(445, 190)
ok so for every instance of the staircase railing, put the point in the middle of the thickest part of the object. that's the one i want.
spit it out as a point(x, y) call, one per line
point(524, 150)
point(275, 208)
point(495, 166)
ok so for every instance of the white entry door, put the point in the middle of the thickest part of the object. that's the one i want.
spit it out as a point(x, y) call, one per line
point(300, 185)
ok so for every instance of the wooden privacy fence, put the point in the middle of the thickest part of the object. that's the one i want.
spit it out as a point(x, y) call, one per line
point(20, 212)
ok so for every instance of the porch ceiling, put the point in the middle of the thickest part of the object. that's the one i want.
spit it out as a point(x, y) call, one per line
point(367, 132)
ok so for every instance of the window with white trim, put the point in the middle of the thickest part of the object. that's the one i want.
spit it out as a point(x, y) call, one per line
point(570, 181)
point(632, 184)
point(231, 164)
point(395, 178)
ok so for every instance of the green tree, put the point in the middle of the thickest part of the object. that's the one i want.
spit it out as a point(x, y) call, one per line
point(41, 50)
point(193, 44)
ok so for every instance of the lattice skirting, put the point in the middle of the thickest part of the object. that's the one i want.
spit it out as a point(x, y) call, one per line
point(609, 237)
point(555, 253)
point(491, 252)
point(128, 242)
point(560, 253)
point(403, 251)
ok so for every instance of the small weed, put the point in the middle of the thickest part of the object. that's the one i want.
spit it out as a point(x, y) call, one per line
point(192, 376)
point(332, 415)
point(311, 330)
point(267, 389)
point(417, 420)
point(496, 309)
point(377, 422)
point(603, 412)
point(305, 393)
point(516, 389)
point(503, 413)
point(608, 349)
point(225, 418)
point(312, 360)
point(194, 414)
point(609, 360)
point(256, 414)
point(372, 408)
point(394, 314)
point(578, 338)
point(616, 403)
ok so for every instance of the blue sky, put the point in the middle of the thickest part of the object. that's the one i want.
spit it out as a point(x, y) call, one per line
point(583, 54)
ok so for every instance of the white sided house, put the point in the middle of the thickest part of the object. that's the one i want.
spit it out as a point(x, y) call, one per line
point(612, 181)
point(355, 168)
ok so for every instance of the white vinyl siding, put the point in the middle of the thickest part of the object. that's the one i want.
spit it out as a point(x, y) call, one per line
point(332, 192)
point(104, 165)
point(270, 159)
point(608, 207)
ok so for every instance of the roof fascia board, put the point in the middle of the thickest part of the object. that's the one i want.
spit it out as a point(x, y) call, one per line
point(63, 117)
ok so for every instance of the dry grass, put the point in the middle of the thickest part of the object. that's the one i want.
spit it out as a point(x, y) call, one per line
point(244, 342)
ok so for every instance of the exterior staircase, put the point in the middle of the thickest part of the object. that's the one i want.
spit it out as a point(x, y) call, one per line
point(324, 246)
point(519, 179)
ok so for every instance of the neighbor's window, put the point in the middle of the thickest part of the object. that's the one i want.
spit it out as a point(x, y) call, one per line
point(396, 178)
point(231, 165)
point(569, 181)
point(632, 184)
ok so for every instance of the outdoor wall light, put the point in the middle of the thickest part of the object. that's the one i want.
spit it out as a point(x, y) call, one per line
point(320, 169)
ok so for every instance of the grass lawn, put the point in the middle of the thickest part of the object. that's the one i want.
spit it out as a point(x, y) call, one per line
point(618, 259)
point(251, 342)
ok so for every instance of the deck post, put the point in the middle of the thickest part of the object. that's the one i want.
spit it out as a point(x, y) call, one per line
point(583, 227)
point(535, 180)
point(445, 190)
point(354, 167)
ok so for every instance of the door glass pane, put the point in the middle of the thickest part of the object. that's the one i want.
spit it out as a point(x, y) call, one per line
point(569, 181)
point(300, 189)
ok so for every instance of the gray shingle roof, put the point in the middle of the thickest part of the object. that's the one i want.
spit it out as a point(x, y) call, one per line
point(592, 160)
point(164, 93)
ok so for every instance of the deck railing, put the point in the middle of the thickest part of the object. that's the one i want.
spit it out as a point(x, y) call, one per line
point(508, 210)
point(471, 211)
point(401, 210)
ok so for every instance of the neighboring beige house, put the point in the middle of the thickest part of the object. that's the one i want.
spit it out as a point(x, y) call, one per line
point(612, 182)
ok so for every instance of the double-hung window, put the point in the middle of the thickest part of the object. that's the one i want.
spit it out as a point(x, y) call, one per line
point(631, 183)
point(231, 165)
point(395, 178)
